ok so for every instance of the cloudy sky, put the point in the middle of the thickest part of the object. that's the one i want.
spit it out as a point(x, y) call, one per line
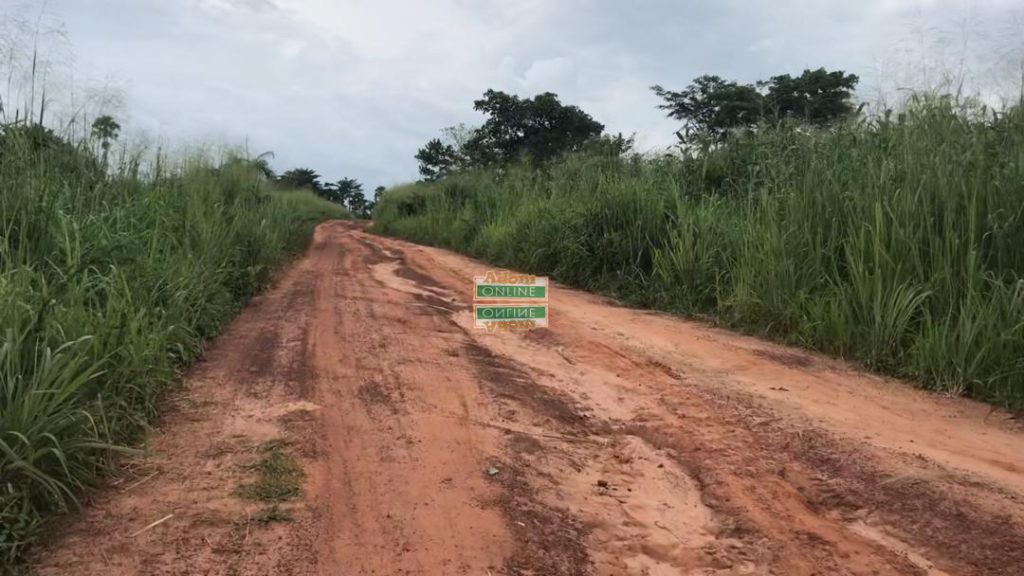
point(354, 87)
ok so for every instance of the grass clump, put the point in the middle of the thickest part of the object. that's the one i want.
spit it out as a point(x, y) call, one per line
point(278, 479)
point(894, 241)
point(111, 281)
point(272, 514)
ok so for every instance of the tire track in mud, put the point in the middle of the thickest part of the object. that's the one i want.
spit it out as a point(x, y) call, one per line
point(548, 426)
point(545, 429)
point(548, 539)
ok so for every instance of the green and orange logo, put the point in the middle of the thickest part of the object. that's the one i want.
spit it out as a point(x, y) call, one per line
point(505, 301)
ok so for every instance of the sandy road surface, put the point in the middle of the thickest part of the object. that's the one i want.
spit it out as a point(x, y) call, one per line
point(625, 443)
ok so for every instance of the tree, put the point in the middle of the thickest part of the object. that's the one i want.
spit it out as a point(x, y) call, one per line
point(377, 192)
point(442, 156)
point(539, 129)
point(299, 178)
point(536, 129)
point(261, 164)
point(357, 204)
point(437, 159)
point(458, 135)
point(611, 145)
point(258, 166)
point(711, 106)
point(106, 130)
point(345, 190)
point(817, 96)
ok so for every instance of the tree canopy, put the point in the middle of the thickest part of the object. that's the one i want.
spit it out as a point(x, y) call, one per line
point(344, 190)
point(817, 96)
point(300, 178)
point(358, 204)
point(536, 129)
point(105, 129)
point(712, 106)
point(437, 159)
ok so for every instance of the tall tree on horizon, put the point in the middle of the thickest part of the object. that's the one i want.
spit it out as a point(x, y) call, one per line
point(105, 130)
point(345, 190)
point(358, 205)
point(301, 178)
point(817, 96)
point(538, 129)
point(437, 159)
point(712, 106)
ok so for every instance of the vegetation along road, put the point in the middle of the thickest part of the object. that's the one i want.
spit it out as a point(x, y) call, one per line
point(351, 421)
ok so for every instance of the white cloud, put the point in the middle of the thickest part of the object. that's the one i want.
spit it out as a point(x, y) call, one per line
point(353, 87)
point(547, 72)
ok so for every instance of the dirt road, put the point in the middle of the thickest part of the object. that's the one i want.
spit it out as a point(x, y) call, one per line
point(617, 442)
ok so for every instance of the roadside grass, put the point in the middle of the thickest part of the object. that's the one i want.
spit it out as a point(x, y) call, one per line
point(111, 281)
point(278, 477)
point(895, 242)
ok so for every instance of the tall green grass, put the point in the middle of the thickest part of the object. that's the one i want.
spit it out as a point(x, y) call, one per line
point(109, 287)
point(898, 242)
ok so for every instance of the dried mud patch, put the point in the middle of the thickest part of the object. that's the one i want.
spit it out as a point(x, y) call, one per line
point(506, 381)
point(790, 359)
point(373, 396)
point(542, 337)
point(377, 255)
point(677, 446)
point(929, 514)
point(302, 428)
point(275, 353)
point(521, 443)
point(841, 480)
point(409, 273)
point(374, 253)
point(754, 504)
point(549, 540)
point(440, 305)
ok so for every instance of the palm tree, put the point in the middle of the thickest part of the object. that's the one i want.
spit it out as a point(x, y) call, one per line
point(106, 130)
point(346, 189)
point(261, 164)
point(301, 178)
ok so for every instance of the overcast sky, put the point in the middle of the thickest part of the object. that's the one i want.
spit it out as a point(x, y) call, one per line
point(354, 87)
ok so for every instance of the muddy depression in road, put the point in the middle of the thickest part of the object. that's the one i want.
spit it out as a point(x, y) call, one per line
point(615, 442)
